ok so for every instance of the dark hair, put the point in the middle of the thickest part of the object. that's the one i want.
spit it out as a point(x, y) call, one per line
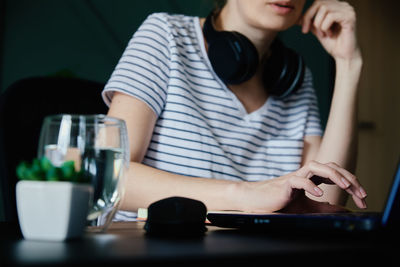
point(219, 3)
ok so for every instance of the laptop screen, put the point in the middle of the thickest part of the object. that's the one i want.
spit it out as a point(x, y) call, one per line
point(392, 208)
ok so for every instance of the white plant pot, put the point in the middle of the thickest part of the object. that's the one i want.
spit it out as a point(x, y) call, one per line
point(53, 211)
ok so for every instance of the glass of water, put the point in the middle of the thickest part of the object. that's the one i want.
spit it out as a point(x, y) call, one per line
point(98, 145)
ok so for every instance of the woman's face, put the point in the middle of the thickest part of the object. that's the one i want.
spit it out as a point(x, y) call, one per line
point(276, 15)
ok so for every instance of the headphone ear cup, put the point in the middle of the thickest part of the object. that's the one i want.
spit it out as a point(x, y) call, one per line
point(293, 79)
point(250, 59)
point(284, 71)
point(233, 57)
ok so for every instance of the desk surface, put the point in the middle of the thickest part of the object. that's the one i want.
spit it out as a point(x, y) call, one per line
point(126, 243)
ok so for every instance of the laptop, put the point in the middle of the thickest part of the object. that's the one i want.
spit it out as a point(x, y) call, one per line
point(347, 222)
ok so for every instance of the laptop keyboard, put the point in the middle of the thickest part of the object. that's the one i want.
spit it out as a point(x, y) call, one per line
point(347, 214)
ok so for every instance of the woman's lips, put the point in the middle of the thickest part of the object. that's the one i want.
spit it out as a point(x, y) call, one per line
point(281, 8)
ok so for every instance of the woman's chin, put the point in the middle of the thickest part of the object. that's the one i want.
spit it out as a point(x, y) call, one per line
point(278, 25)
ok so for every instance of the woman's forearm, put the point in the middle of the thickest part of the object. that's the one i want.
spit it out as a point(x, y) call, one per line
point(339, 143)
point(144, 185)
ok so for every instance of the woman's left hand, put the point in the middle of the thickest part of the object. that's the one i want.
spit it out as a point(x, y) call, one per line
point(333, 22)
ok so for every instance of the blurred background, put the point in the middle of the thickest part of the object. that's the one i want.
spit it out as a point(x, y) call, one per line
point(85, 39)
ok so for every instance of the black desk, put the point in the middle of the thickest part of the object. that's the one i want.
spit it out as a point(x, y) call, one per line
point(126, 243)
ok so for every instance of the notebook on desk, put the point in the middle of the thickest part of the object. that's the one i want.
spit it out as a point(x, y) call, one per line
point(353, 221)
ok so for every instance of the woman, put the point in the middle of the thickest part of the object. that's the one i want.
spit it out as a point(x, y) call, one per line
point(234, 146)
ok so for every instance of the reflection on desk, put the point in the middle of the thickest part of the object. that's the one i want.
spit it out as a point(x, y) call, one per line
point(126, 243)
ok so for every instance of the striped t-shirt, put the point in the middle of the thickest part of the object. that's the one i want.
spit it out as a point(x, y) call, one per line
point(202, 129)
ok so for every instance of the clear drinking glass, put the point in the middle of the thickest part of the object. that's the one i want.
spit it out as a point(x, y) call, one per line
point(98, 144)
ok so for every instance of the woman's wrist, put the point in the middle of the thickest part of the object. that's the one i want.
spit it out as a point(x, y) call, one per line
point(352, 63)
point(348, 72)
point(235, 195)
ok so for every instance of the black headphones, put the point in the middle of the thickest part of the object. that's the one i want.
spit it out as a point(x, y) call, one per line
point(235, 60)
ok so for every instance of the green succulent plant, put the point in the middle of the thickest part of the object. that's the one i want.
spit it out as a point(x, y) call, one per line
point(43, 170)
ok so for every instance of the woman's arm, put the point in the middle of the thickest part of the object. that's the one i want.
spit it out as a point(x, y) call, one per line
point(339, 143)
point(333, 23)
point(144, 184)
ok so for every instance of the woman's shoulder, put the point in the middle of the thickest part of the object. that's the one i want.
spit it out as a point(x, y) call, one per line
point(170, 20)
point(178, 29)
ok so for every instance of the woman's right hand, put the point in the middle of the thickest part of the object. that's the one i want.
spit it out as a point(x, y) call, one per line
point(282, 192)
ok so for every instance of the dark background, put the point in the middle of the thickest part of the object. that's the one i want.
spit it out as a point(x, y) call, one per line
point(85, 38)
